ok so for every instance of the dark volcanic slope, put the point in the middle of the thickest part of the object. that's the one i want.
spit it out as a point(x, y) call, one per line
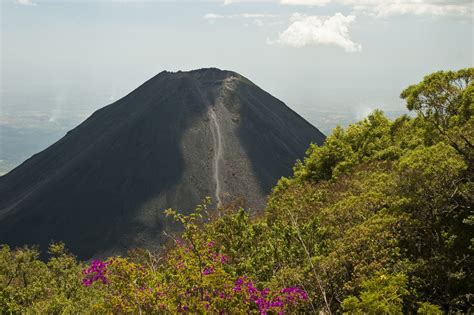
point(174, 140)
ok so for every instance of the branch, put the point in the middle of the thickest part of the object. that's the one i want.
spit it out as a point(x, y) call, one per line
point(318, 280)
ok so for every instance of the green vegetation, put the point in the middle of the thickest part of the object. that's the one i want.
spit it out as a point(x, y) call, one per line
point(378, 220)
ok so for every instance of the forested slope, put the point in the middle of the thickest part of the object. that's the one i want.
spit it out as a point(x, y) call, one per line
point(378, 220)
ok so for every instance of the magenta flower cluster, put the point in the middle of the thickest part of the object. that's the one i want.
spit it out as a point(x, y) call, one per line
point(208, 270)
point(243, 290)
point(266, 300)
point(215, 256)
point(95, 272)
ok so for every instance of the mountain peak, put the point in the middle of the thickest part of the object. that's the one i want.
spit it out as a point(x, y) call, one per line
point(176, 139)
point(205, 74)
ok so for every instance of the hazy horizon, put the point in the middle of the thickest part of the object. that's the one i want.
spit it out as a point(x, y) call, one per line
point(332, 61)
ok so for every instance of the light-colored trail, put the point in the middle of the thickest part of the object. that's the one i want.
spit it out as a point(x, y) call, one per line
point(218, 151)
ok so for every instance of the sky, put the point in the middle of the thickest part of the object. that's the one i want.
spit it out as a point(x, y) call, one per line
point(332, 61)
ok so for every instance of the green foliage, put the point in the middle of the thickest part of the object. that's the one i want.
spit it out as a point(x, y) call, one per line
point(382, 294)
point(373, 139)
point(445, 100)
point(427, 308)
point(28, 285)
point(378, 220)
point(393, 195)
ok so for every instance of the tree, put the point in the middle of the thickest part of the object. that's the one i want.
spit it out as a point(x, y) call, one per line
point(382, 294)
point(445, 100)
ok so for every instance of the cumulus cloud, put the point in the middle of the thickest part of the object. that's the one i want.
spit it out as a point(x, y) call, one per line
point(315, 30)
point(384, 8)
point(25, 2)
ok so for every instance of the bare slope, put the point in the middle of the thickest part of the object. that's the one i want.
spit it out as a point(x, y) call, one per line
point(177, 138)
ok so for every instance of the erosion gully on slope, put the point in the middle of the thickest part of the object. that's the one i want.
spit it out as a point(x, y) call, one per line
point(217, 139)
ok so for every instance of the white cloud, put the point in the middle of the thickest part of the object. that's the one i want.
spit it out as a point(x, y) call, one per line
point(227, 2)
point(213, 16)
point(384, 8)
point(255, 15)
point(258, 18)
point(315, 30)
point(361, 111)
point(306, 2)
point(25, 2)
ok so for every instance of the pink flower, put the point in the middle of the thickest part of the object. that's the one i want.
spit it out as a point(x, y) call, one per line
point(95, 272)
point(266, 300)
point(224, 259)
point(208, 271)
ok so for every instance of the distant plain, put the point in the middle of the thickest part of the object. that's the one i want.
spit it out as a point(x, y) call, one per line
point(30, 122)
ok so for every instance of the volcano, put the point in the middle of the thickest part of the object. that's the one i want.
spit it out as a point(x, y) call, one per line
point(179, 137)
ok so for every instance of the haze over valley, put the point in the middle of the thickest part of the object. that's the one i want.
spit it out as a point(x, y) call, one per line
point(31, 122)
point(56, 70)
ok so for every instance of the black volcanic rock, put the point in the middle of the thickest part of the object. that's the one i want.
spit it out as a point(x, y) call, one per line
point(177, 138)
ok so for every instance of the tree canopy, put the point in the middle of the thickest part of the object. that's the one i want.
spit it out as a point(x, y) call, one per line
point(378, 220)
